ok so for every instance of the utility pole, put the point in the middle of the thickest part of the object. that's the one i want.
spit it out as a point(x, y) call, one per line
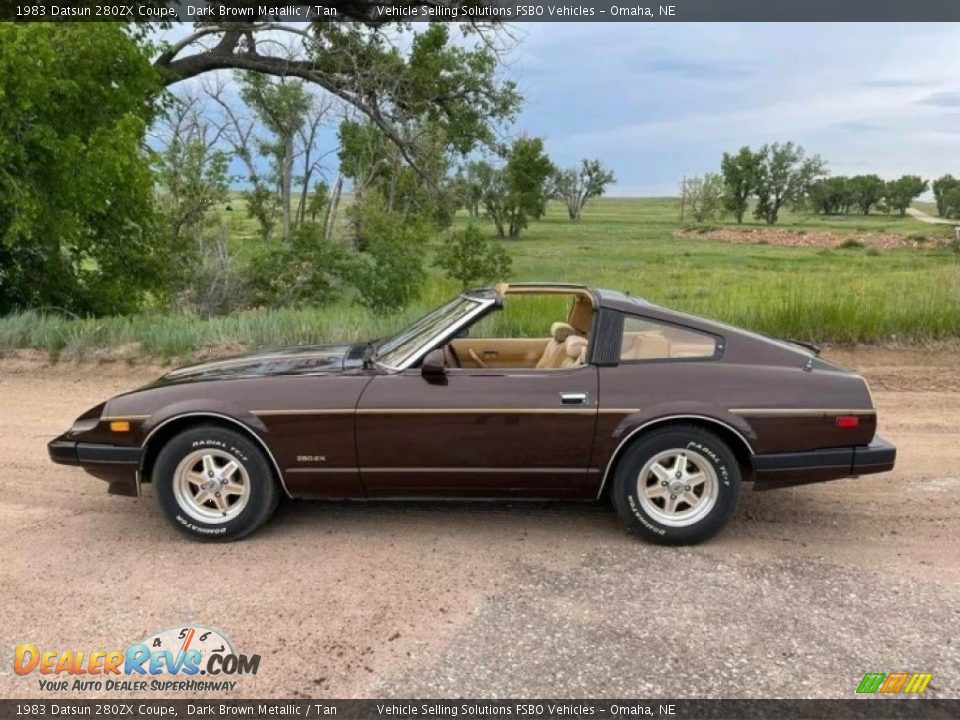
point(683, 196)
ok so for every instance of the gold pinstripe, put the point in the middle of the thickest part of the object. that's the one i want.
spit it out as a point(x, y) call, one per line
point(803, 411)
point(447, 411)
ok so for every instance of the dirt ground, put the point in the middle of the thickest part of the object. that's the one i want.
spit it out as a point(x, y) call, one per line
point(811, 238)
point(805, 591)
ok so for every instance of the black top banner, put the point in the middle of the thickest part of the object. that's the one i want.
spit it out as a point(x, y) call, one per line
point(483, 11)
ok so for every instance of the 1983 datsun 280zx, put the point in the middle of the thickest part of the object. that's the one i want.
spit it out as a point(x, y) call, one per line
point(665, 413)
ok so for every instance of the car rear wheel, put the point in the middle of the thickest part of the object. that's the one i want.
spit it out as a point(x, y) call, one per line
point(214, 484)
point(677, 486)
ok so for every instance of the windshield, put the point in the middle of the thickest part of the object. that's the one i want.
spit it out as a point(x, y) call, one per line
point(398, 350)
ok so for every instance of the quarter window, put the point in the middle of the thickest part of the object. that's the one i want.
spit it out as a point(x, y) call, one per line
point(645, 339)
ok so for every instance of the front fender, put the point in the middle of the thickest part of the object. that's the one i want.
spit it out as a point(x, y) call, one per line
point(198, 408)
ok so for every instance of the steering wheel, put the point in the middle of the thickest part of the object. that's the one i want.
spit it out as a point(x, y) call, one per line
point(476, 358)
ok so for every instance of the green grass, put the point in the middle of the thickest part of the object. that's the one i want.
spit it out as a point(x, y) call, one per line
point(851, 295)
point(930, 208)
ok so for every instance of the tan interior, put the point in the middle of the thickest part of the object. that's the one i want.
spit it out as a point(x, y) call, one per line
point(563, 350)
point(556, 350)
point(566, 347)
point(666, 342)
point(499, 352)
point(581, 314)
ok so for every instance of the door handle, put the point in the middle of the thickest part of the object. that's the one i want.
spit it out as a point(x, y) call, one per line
point(573, 398)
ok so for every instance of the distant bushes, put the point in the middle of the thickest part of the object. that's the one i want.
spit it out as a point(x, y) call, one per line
point(468, 257)
point(841, 195)
point(307, 271)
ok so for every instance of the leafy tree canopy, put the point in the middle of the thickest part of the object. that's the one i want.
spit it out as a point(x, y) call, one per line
point(516, 192)
point(575, 187)
point(434, 79)
point(741, 173)
point(902, 192)
point(867, 191)
point(784, 176)
point(943, 190)
point(468, 257)
point(75, 185)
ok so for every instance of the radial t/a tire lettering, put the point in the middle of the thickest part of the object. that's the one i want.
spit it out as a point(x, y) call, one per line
point(214, 484)
point(676, 486)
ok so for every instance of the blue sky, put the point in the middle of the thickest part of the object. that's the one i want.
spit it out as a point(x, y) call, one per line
point(656, 101)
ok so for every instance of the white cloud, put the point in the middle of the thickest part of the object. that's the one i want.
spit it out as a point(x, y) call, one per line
point(656, 102)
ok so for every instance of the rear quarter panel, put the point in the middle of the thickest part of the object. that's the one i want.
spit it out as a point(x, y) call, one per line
point(775, 408)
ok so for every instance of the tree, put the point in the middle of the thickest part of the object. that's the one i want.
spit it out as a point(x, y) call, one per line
point(191, 173)
point(389, 274)
point(436, 79)
point(282, 107)
point(867, 191)
point(942, 188)
point(469, 257)
point(705, 196)
point(951, 203)
point(830, 196)
point(901, 193)
point(97, 224)
point(575, 187)
point(784, 177)
point(466, 188)
point(77, 220)
point(517, 192)
point(740, 175)
point(374, 165)
point(306, 272)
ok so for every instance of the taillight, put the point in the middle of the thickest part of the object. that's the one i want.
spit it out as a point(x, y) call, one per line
point(848, 421)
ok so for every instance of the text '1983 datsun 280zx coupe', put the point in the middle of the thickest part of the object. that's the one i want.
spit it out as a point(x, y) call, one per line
point(665, 413)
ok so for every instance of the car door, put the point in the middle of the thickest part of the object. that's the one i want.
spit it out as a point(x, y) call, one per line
point(479, 433)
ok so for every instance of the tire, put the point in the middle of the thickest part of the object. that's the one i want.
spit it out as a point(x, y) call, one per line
point(668, 513)
point(226, 505)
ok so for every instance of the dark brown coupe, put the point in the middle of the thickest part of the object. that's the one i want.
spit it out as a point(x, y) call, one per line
point(665, 413)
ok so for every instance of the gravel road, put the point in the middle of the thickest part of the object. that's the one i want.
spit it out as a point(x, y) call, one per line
point(928, 218)
point(807, 589)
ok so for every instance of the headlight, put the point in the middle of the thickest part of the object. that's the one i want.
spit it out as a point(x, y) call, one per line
point(84, 425)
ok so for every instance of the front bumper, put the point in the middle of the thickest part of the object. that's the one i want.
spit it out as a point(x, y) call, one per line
point(787, 469)
point(115, 464)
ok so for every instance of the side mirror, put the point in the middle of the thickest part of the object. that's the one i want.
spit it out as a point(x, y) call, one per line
point(434, 365)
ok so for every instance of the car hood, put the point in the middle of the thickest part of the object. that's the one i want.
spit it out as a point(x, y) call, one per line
point(297, 360)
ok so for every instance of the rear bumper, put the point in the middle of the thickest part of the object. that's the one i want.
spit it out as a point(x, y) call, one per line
point(786, 469)
point(115, 464)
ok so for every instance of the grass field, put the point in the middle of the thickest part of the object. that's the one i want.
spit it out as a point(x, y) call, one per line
point(852, 295)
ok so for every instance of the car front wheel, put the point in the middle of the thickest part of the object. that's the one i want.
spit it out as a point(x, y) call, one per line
point(214, 484)
point(677, 486)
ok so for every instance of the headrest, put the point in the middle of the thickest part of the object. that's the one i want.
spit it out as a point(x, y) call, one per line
point(560, 331)
point(576, 346)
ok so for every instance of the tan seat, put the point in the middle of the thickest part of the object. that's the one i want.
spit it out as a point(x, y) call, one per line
point(644, 345)
point(555, 352)
point(576, 351)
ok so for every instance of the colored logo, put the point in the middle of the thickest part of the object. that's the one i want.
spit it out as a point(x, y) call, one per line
point(900, 683)
point(181, 652)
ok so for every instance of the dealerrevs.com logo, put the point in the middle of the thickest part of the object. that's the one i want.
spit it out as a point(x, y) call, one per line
point(192, 658)
point(897, 683)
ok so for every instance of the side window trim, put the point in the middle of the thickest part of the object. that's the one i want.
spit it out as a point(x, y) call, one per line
point(718, 348)
point(607, 338)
